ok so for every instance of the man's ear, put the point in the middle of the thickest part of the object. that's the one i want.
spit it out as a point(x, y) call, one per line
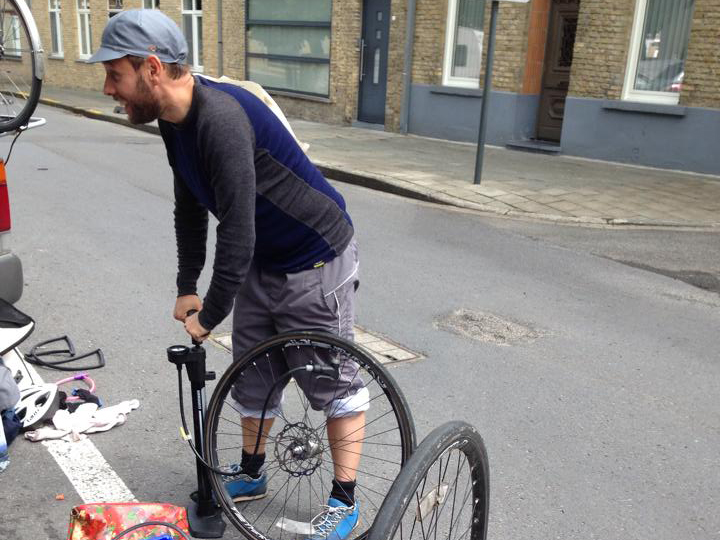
point(155, 67)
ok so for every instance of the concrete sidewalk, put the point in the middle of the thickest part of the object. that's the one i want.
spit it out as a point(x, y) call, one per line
point(515, 183)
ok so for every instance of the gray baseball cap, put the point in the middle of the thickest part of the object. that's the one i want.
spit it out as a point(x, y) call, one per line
point(142, 32)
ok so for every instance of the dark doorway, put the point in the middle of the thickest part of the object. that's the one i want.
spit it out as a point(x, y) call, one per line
point(373, 61)
point(556, 72)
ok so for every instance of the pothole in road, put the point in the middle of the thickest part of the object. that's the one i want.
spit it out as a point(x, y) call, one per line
point(486, 327)
point(381, 348)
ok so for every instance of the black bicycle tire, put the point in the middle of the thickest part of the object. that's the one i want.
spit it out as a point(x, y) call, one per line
point(33, 98)
point(426, 454)
point(396, 398)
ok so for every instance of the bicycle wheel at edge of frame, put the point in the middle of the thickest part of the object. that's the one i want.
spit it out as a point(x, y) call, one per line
point(389, 386)
point(29, 31)
point(453, 434)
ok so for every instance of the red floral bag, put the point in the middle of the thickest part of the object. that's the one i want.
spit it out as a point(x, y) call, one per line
point(104, 521)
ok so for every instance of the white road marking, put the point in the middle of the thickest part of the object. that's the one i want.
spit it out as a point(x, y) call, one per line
point(86, 468)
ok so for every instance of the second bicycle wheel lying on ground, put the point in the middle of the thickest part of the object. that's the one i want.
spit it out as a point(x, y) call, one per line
point(326, 410)
point(442, 492)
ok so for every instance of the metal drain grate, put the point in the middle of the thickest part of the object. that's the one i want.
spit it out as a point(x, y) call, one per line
point(384, 350)
point(381, 348)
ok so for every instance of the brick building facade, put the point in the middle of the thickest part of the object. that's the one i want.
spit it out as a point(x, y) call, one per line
point(625, 80)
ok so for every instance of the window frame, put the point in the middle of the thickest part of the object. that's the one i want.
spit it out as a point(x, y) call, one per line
point(628, 92)
point(195, 15)
point(84, 13)
point(55, 7)
point(447, 78)
point(112, 11)
point(154, 4)
point(289, 58)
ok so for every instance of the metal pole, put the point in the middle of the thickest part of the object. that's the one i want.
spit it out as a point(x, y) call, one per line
point(407, 66)
point(486, 92)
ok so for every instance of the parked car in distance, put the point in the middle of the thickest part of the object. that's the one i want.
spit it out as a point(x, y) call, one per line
point(11, 276)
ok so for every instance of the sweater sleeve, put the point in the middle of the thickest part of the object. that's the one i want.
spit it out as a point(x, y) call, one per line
point(226, 145)
point(191, 224)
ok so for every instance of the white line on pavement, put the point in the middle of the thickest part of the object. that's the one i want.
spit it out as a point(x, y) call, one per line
point(86, 468)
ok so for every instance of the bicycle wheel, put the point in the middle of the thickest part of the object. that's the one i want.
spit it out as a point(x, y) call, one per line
point(442, 492)
point(299, 464)
point(21, 65)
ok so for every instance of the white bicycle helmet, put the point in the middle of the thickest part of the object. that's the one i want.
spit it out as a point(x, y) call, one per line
point(37, 404)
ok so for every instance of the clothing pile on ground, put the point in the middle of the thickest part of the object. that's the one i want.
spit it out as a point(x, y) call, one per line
point(44, 410)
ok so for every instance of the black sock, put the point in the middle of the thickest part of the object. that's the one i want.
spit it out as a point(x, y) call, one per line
point(343, 492)
point(251, 464)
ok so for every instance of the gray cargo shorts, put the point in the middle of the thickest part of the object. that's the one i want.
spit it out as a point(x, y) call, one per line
point(270, 303)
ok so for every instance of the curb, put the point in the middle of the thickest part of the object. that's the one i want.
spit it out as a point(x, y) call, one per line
point(409, 190)
point(99, 115)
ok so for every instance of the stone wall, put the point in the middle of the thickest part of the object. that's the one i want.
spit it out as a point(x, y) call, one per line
point(396, 64)
point(601, 44)
point(234, 39)
point(510, 46)
point(702, 69)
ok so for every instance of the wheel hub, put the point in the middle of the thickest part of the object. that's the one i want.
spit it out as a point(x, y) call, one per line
point(298, 449)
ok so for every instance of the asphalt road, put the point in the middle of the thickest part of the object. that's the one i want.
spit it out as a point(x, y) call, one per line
point(603, 425)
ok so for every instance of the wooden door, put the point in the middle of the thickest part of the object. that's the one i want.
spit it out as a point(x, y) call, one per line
point(556, 75)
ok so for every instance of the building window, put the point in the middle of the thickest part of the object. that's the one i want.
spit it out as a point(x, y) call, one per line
point(288, 45)
point(114, 7)
point(55, 29)
point(192, 28)
point(84, 28)
point(463, 43)
point(151, 4)
point(658, 50)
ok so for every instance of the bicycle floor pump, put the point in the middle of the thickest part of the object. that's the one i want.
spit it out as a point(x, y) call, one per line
point(204, 516)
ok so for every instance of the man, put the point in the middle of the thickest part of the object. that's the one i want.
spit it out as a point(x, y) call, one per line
point(285, 253)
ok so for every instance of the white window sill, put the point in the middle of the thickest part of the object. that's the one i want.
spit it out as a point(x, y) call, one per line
point(461, 83)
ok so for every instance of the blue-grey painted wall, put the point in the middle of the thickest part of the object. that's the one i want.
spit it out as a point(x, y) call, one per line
point(686, 138)
point(454, 113)
point(669, 137)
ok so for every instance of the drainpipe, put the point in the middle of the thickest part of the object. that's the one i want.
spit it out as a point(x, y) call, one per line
point(407, 66)
point(220, 38)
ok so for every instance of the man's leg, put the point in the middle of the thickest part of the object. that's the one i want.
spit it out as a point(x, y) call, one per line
point(323, 299)
point(345, 436)
point(251, 428)
point(252, 323)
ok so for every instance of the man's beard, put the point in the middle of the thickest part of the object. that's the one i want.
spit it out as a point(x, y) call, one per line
point(144, 108)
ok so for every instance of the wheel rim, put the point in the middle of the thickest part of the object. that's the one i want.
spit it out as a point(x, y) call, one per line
point(446, 503)
point(442, 491)
point(299, 465)
point(19, 84)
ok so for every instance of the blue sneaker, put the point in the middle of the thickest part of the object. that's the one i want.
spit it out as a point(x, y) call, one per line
point(242, 487)
point(336, 522)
